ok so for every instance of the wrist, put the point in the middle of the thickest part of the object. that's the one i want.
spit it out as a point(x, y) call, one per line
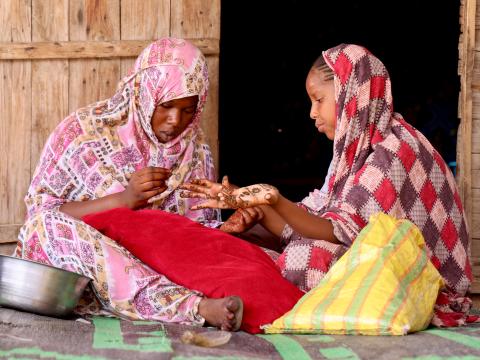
point(120, 200)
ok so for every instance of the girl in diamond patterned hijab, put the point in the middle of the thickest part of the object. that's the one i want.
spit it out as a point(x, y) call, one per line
point(132, 150)
point(380, 164)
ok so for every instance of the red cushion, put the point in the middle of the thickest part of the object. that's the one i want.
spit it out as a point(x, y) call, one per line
point(204, 259)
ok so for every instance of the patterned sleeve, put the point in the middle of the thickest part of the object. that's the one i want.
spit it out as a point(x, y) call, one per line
point(317, 198)
point(47, 189)
point(211, 217)
point(344, 229)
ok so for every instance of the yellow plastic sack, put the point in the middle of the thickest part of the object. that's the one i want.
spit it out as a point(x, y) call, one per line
point(384, 284)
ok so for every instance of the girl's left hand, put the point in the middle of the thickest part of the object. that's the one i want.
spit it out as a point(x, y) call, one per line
point(225, 196)
point(242, 220)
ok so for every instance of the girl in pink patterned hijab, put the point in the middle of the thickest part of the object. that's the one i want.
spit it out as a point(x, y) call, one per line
point(380, 164)
point(132, 150)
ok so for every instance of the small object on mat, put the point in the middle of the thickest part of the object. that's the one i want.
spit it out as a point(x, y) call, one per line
point(206, 338)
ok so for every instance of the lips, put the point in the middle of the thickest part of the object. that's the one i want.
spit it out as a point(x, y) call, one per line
point(169, 134)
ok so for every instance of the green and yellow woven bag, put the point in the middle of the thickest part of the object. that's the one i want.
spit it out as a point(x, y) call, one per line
point(384, 284)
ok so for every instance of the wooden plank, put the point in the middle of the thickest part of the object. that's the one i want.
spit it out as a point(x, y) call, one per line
point(93, 80)
point(7, 249)
point(209, 121)
point(9, 233)
point(49, 77)
point(125, 65)
point(476, 135)
point(475, 247)
point(155, 15)
point(476, 69)
point(476, 204)
point(466, 66)
point(475, 233)
point(475, 179)
point(88, 49)
point(475, 161)
point(195, 19)
point(95, 20)
point(15, 123)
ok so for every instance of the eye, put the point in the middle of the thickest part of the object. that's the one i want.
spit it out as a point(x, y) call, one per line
point(166, 105)
point(190, 110)
point(319, 99)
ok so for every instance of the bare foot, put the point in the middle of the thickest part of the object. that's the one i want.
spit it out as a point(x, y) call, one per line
point(225, 313)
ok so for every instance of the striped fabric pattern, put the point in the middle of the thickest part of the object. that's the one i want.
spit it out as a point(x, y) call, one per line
point(384, 284)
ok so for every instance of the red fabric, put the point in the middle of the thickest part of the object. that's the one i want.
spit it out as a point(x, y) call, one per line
point(203, 259)
point(453, 310)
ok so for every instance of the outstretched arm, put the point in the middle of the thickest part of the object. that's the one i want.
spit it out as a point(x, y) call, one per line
point(309, 225)
point(224, 196)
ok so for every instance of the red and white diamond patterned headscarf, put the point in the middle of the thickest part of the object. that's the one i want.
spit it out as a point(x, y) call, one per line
point(382, 164)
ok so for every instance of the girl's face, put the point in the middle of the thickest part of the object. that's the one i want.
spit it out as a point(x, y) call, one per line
point(322, 96)
point(171, 118)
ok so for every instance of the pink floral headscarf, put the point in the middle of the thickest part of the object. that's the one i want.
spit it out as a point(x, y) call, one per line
point(93, 151)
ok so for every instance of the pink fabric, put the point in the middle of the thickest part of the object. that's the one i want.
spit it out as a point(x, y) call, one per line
point(122, 285)
point(91, 152)
point(208, 260)
point(89, 156)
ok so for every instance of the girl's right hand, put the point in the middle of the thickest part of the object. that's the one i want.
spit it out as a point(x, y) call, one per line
point(144, 184)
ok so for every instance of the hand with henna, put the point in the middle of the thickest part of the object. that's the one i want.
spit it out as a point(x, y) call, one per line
point(242, 220)
point(144, 184)
point(226, 196)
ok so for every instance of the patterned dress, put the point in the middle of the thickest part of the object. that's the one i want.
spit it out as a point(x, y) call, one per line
point(91, 154)
point(381, 164)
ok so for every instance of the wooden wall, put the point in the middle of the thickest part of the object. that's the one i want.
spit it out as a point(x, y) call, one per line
point(468, 149)
point(59, 55)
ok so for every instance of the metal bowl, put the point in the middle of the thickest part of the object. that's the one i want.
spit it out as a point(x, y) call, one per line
point(39, 288)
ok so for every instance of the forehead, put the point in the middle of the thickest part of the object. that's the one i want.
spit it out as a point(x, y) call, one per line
point(185, 101)
point(315, 82)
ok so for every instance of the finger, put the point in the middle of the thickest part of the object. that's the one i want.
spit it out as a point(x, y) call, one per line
point(154, 169)
point(150, 185)
point(153, 176)
point(210, 204)
point(225, 181)
point(152, 193)
point(251, 211)
point(247, 217)
point(191, 194)
point(202, 182)
point(200, 206)
point(128, 176)
point(194, 188)
point(260, 212)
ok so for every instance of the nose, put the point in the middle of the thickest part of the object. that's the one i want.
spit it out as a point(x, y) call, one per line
point(313, 112)
point(174, 117)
